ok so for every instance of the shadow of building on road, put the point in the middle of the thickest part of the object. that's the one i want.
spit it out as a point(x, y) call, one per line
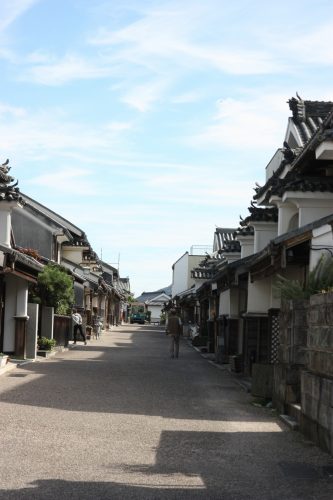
point(203, 465)
point(133, 376)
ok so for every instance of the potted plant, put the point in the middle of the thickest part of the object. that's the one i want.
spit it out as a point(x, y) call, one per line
point(45, 344)
point(3, 359)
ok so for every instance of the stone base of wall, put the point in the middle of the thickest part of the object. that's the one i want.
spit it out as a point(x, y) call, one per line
point(286, 385)
point(262, 380)
point(316, 433)
point(317, 409)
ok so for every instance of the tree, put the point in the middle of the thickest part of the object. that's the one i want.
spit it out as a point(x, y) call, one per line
point(55, 288)
point(320, 280)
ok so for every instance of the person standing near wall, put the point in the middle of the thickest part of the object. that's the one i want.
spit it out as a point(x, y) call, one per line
point(174, 329)
point(77, 318)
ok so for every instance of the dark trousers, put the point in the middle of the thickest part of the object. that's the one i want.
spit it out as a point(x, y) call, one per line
point(76, 328)
point(174, 346)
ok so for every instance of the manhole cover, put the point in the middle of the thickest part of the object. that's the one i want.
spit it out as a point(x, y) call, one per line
point(299, 470)
point(18, 375)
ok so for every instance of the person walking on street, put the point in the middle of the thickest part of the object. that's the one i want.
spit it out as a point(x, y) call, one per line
point(174, 328)
point(77, 318)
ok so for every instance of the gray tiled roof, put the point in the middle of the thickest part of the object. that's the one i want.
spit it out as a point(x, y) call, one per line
point(224, 240)
point(310, 118)
point(151, 295)
point(260, 215)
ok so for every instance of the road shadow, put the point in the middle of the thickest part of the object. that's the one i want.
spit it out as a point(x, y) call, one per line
point(204, 465)
point(133, 376)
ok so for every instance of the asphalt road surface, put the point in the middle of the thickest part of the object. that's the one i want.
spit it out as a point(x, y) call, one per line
point(119, 419)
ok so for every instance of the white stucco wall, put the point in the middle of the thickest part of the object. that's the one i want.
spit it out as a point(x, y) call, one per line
point(311, 206)
point(16, 305)
point(181, 275)
point(286, 212)
point(247, 245)
point(259, 296)
point(322, 238)
point(224, 303)
point(155, 311)
point(264, 232)
point(32, 330)
point(73, 254)
point(274, 164)
point(229, 302)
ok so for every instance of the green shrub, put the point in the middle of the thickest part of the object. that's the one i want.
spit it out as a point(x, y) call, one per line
point(320, 280)
point(46, 344)
point(55, 288)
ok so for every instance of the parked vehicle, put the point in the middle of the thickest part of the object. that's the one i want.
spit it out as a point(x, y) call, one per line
point(138, 314)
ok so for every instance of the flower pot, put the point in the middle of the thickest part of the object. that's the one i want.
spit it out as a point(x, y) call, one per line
point(3, 360)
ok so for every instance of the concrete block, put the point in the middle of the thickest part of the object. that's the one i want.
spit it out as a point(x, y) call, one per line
point(293, 394)
point(300, 335)
point(262, 380)
point(301, 317)
point(326, 391)
point(324, 438)
point(324, 415)
point(320, 337)
point(318, 299)
point(299, 355)
point(329, 314)
point(309, 407)
point(310, 384)
point(321, 362)
point(309, 427)
point(313, 316)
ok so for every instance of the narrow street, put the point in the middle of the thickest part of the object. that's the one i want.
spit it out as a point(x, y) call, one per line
point(119, 419)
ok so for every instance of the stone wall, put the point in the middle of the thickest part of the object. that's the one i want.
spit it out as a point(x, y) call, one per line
point(292, 354)
point(317, 377)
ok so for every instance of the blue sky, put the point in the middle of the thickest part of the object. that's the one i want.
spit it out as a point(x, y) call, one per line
point(147, 122)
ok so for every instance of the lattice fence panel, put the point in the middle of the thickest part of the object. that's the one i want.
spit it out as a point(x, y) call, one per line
point(275, 339)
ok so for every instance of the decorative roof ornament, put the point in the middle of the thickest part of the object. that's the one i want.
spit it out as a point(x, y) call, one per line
point(297, 106)
point(257, 214)
point(8, 191)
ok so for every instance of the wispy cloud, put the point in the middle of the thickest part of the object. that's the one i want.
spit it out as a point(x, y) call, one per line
point(171, 35)
point(310, 47)
point(142, 97)
point(255, 123)
point(68, 180)
point(10, 10)
point(58, 72)
point(52, 132)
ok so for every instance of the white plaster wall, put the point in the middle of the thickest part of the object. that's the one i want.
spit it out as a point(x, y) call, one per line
point(47, 322)
point(311, 206)
point(224, 303)
point(263, 234)
point(311, 214)
point(234, 302)
point(72, 254)
point(5, 225)
point(32, 330)
point(181, 276)
point(155, 311)
point(16, 305)
point(274, 164)
point(286, 213)
point(322, 238)
point(259, 296)
point(10, 312)
point(247, 245)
